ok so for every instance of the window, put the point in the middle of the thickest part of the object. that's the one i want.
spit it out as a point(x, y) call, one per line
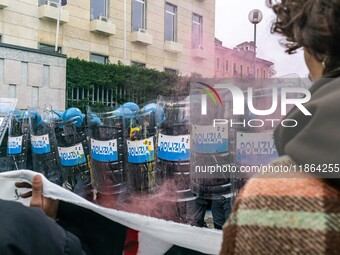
point(55, 2)
point(197, 30)
point(99, 59)
point(99, 8)
point(170, 22)
point(226, 65)
point(47, 47)
point(46, 76)
point(138, 15)
point(170, 71)
point(234, 69)
point(24, 73)
point(42, 2)
point(137, 64)
point(218, 63)
point(248, 72)
point(241, 70)
point(12, 91)
point(35, 96)
point(1, 69)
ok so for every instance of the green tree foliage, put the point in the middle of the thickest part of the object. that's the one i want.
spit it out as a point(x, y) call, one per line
point(145, 84)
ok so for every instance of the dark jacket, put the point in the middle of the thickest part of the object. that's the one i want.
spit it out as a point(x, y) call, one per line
point(27, 230)
point(315, 141)
point(316, 138)
point(79, 231)
point(98, 234)
point(284, 216)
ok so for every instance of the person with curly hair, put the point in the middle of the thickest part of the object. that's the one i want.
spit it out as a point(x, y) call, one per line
point(300, 214)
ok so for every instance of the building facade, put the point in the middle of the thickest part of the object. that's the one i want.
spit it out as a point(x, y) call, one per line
point(33, 76)
point(158, 34)
point(239, 62)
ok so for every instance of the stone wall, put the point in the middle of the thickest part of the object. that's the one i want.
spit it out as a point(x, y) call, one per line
point(33, 76)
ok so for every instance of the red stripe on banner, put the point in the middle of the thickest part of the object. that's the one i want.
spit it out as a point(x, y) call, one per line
point(131, 242)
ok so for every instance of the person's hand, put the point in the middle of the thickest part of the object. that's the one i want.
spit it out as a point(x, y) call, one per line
point(50, 206)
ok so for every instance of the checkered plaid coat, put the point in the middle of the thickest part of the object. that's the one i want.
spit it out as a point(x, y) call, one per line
point(295, 215)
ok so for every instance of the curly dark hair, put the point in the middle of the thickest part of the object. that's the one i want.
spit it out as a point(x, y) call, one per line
point(312, 24)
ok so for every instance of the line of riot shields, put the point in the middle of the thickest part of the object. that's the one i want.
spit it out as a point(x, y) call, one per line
point(232, 127)
point(154, 159)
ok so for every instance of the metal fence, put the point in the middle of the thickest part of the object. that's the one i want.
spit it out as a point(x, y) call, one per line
point(102, 95)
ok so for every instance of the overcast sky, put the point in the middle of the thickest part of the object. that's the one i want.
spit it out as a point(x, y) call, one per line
point(233, 27)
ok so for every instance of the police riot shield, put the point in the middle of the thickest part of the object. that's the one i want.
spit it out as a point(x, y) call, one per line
point(106, 134)
point(18, 141)
point(44, 144)
point(173, 154)
point(73, 152)
point(254, 146)
point(211, 159)
point(144, 178)
point(7, 105)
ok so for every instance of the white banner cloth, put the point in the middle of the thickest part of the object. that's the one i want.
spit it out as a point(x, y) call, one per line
point(167, 233)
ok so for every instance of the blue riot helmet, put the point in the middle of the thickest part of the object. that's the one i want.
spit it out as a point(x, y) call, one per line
point(56, 115)
point(16, 113)
point(185, 106)
point(180, 112)
point(177, 114)
point(132, 106)
point(15, 123)
point(160, 116)
point(74, 114)
point(152, 107)
point(129, 117)
point(35, 117)
point(56, 118)
point(128, 114)
point(117, 116)
point(156, 110)
point(29, 114)
point(25, 116)
point(118, 112)
point(94, 120)
point(147, 116)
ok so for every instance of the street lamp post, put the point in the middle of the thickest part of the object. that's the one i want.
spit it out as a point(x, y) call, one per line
point(255, 16)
